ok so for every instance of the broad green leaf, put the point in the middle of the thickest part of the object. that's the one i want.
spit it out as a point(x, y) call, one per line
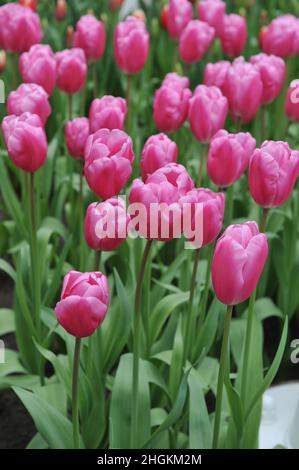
point(7, 321)
point(200, 429)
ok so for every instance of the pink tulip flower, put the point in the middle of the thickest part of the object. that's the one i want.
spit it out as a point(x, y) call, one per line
point(29, 97)
point(233, 35)
point(243, 88)
point(108, 161)
point(157, 152)
point(25, 140)
point(238, 262)
point(273, 171)
point(179, 15)
point(207, 112)
point(292, 101)
point(171, 103)
point(272, 70)
point(212, 12)
point(212, 213)
point(107, 112)
point(90, 35)
point(83, 304)
point(281, 37)
point(159, 196)
point(195, 41)
point(106, 223)
point(215, 74)
point(71, 70)
point(38, 65)
point(229, 156)
point(131, 45)
point(76, 134)
point(20, 28)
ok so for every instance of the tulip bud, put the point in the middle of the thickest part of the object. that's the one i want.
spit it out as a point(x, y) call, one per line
point(238, 262)
point(108, 161)
point(25, 140)
point(29, 4)
point(83, 304)
point(164, 17)
point(195, 41)
point(71, 68)
point(171, 103)
point(281, 37)
point(212, 12)
point(69, 36)
point(273, 171)
point(38, 66)
point(179, 14)
point(272, 72)
point(76, 134)
point(139, 14)
point(29, 97)
point(61, 10)
point(229, 156)
point(212, 213)
point(108, 112)
point(105, 226)
point(2, 61)
point(115, 4)
point(131, 45)
point(90, 35)
point(157, 152)
point(233, 35)
point(207, 112)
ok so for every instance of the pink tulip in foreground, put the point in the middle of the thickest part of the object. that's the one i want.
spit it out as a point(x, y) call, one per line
point(71, 70)
point(207, 112)
point(167, 185)
point(29, 97)
point(83, 304)
point(157, 152)
point(272, 71)
point(212, 12)
point(107, 112)
point(25, 140)
point(131, 45)
point(38, 65)
point(229, 157)
point(233, 35)
point(171, 103)
point(108, 161)
point(20, 28)
point(243, 88)
point(238, 262)
point(76, 134)
point(212, 212)
point(215, 74)
point(179, 15)
point(105, 226)
point(90, 35)
point(281, 37)
point(292, 101)
point(273, 171)
point(195, 41)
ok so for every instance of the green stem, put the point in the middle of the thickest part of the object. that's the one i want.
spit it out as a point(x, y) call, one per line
point(136, 344)
point(264, 123)
point(203, 304)
point(264, 220)
point(81, 216)
point(70, 105)
point(35, 274)
point(188, 329)
point(248, 335)
point(14, 68)
point(230, 205)
point(203, 158)
point(97, 260)
point(75, 411)
point(222, 367)
point(129, 104)
point(95, 79)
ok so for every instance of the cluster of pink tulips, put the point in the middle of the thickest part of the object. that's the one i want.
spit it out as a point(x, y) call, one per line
point(103, 157)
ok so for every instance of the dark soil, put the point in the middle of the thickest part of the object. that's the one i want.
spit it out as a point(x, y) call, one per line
point(16, 425)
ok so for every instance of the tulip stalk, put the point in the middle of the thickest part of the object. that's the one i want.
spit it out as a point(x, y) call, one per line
point(221, 375)
point(136, 345)
point(203, 159)
point(128, 100)
point(75, 411)
point(35, 274)
point(189, 323)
